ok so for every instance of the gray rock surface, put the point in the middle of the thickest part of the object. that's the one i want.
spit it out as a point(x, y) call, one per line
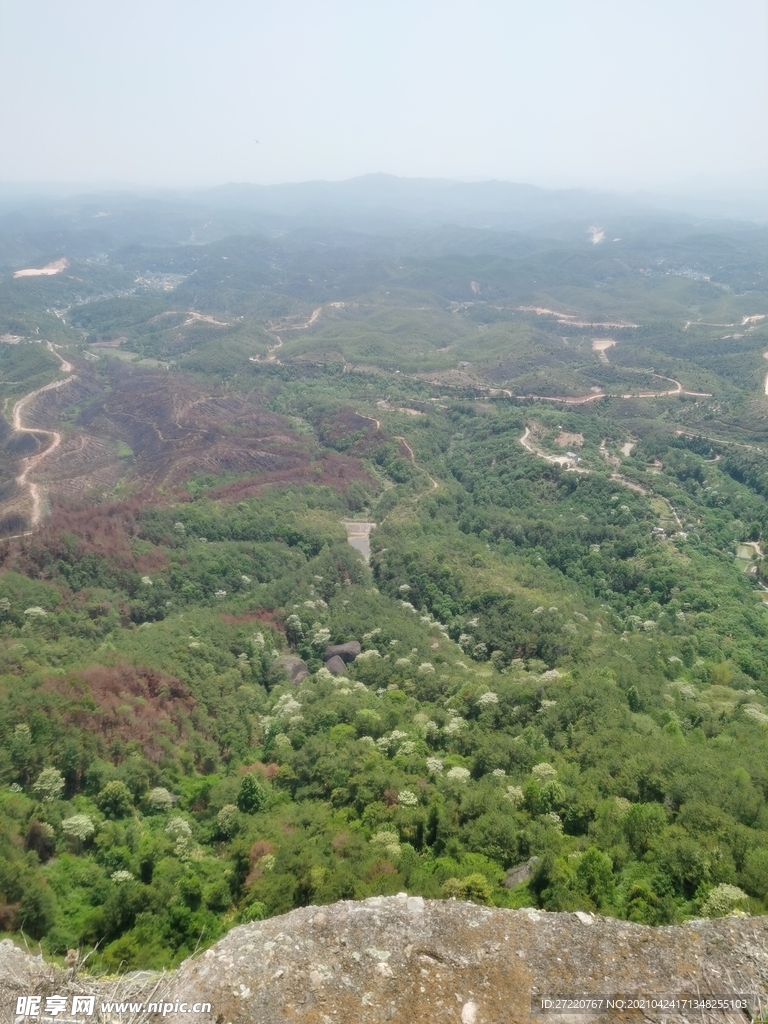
point(336, 665)
point(347, 652)
point(292, 665)
point(521, 873)
point(22, 974)
point(412, 961)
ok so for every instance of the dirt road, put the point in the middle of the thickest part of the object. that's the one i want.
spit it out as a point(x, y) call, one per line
point(34, 461)
point(412, 457)
point(558, 460)
point(581, 399)
point(407, 447)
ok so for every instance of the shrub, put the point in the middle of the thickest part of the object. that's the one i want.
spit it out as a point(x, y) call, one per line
point(255, 911)
point(475, 888)
point(722, 900)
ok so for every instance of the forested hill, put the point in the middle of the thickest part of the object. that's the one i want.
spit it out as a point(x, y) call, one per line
point(555, 689)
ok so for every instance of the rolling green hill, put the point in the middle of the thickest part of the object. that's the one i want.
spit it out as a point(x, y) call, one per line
point(563, 624)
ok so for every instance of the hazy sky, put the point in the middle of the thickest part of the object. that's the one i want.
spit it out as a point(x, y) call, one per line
point(622, 93)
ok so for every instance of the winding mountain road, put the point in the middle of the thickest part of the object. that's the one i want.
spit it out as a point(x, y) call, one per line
point(411, 456)
point(34, 461)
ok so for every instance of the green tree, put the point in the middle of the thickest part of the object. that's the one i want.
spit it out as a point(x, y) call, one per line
point(641, 824)
point(594, 873)
point(754, 876)
point(115, 800)
point(252, 795)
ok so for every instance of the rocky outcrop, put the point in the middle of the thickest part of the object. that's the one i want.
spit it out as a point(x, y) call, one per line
point(22, 974)
point(336, 665)
point(521, 873)
point(347, 652)
point(405, 959)
point(296, 669)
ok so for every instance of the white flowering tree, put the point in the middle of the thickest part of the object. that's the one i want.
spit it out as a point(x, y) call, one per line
point(723, 899)
point(544, 772)
point(160, 800)
point(78, 829)
point(386, 843)
point(49, 785)
point(228, 821)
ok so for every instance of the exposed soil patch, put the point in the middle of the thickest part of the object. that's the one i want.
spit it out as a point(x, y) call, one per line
point(57, 267)
point(575, 319)
point(529, 442)
point(384, 404)
point(566, 440)
point(203, 318)
point(601, 345)
point(289, 323)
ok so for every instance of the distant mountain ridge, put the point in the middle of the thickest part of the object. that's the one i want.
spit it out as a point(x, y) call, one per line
point(498, 205)
point(94, 223)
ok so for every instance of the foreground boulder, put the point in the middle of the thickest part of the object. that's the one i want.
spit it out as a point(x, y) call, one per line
point(292, 665)
point(407, 960)
point(336, 665)
point(347, 652)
